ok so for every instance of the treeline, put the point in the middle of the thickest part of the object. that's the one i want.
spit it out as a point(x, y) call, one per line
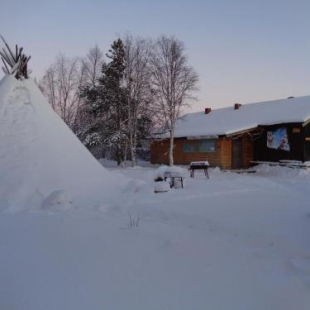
point(113, 106)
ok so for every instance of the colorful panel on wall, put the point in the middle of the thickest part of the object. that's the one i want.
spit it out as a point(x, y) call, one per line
point(278, 140)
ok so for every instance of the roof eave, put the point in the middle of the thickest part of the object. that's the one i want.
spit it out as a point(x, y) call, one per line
point(240, 132)
point(196, 137)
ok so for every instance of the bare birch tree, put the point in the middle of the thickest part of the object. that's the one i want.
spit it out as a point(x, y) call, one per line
point(173, 83)
point(137, 80)
point(92, 65)
point(62, 85)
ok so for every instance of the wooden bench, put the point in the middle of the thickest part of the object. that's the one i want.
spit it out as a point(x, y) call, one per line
point(199, 165)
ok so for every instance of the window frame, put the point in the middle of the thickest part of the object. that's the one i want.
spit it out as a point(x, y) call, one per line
point(186, 144)
point(210, 149)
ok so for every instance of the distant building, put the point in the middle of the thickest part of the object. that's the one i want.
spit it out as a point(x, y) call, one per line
point(233, 137)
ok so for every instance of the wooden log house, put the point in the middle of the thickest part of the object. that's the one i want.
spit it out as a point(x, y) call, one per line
point(235, 137)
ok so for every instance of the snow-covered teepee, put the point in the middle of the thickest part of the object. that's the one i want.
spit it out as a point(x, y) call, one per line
point(41, 160)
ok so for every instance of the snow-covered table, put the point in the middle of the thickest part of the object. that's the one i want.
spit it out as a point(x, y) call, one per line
point(174, 176)
point(199, 165)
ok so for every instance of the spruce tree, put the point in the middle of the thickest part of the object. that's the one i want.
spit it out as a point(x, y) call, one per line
point(108, 104)
point(112, 81)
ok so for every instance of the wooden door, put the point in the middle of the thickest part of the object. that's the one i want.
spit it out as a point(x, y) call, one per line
point(237, 154)
point(307, 150)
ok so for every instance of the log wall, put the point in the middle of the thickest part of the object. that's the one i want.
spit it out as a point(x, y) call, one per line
point(222, 157)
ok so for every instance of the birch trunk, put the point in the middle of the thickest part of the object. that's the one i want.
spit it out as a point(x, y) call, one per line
point(134, 161)
point(125, 155)
point(132, 152)
point(171, 147)
point(133, 141)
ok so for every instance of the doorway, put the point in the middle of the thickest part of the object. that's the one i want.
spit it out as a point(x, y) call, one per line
point(237, 153)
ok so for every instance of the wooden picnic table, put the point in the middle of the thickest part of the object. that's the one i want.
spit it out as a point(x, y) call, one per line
point(199, 165)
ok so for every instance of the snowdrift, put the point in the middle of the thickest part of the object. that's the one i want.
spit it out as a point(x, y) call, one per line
point(281, 172)
point(40, 155)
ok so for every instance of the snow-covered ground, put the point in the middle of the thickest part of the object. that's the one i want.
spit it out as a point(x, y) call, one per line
point(233, 242)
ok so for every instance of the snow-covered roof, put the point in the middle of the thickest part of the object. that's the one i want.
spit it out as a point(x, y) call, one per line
point(226, 121)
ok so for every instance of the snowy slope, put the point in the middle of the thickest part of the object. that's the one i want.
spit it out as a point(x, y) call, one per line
point(227, 120)
point(39, 154)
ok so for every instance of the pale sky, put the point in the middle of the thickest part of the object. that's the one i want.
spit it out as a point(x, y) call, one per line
point(243, 50)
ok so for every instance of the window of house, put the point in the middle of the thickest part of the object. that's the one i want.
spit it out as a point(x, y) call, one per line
point(207, 146)
point(189, 148)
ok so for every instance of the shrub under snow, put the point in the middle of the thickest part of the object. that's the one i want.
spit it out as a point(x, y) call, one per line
point(161, 187)
point(59, 200)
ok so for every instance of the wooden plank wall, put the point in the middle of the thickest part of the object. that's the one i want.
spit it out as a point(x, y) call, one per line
point(226, 153)
point(159, 152)
point(221, 157)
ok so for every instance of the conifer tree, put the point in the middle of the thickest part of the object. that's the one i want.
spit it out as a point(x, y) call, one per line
point(108, 104)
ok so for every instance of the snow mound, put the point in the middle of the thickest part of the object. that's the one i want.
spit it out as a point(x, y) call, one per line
point(161, 187)
point(216, 170)
point(39, 154)
point(178, 184)
point(59, 200)
point(135, 186)
point(281, 172)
